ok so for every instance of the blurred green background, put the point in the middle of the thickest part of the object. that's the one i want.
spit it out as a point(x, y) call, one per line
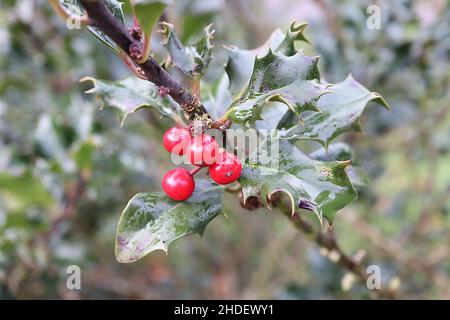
point(67, 169)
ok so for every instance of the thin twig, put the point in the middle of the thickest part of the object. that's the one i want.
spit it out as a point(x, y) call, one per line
point(326, 240)
point(391, 249)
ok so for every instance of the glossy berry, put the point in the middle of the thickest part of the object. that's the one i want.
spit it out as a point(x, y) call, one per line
point(227, 169)
point(178, 184)
point(175, 140)
point(202, 150)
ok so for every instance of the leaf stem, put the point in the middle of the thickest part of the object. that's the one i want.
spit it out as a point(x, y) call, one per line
point(137, 71)
point(223, 123)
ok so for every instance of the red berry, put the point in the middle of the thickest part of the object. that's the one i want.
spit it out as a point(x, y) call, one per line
point(227, 169)
point(178, 184)
point(202, 150)
point(175, 140)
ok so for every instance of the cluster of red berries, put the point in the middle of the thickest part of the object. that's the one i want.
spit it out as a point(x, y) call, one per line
point(201, 151)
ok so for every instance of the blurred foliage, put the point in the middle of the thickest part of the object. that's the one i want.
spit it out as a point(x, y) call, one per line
point(66, 168)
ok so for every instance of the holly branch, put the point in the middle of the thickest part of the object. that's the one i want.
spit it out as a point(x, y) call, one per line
point(326, 240)
point(101, 17)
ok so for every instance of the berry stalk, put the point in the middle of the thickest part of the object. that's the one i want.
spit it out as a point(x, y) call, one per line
point(195, 170)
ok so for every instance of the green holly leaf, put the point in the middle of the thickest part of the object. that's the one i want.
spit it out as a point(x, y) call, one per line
point(340, 112)
point(131, 94)
point(148, 12)
point(74, 7)
point(321, 187)
point(240, 62)
point(192, 60)
point(292, 80)
point(343, 152)
point(151, 221)
point(293, 34)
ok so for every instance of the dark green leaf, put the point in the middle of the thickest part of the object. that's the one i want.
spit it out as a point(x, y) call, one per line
point(340, 112)
point(321, 187)
point(294, 33)
point(131, 94)
point(240, 62)
point(292, 80)
point(151, 221)
point(192, 60)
